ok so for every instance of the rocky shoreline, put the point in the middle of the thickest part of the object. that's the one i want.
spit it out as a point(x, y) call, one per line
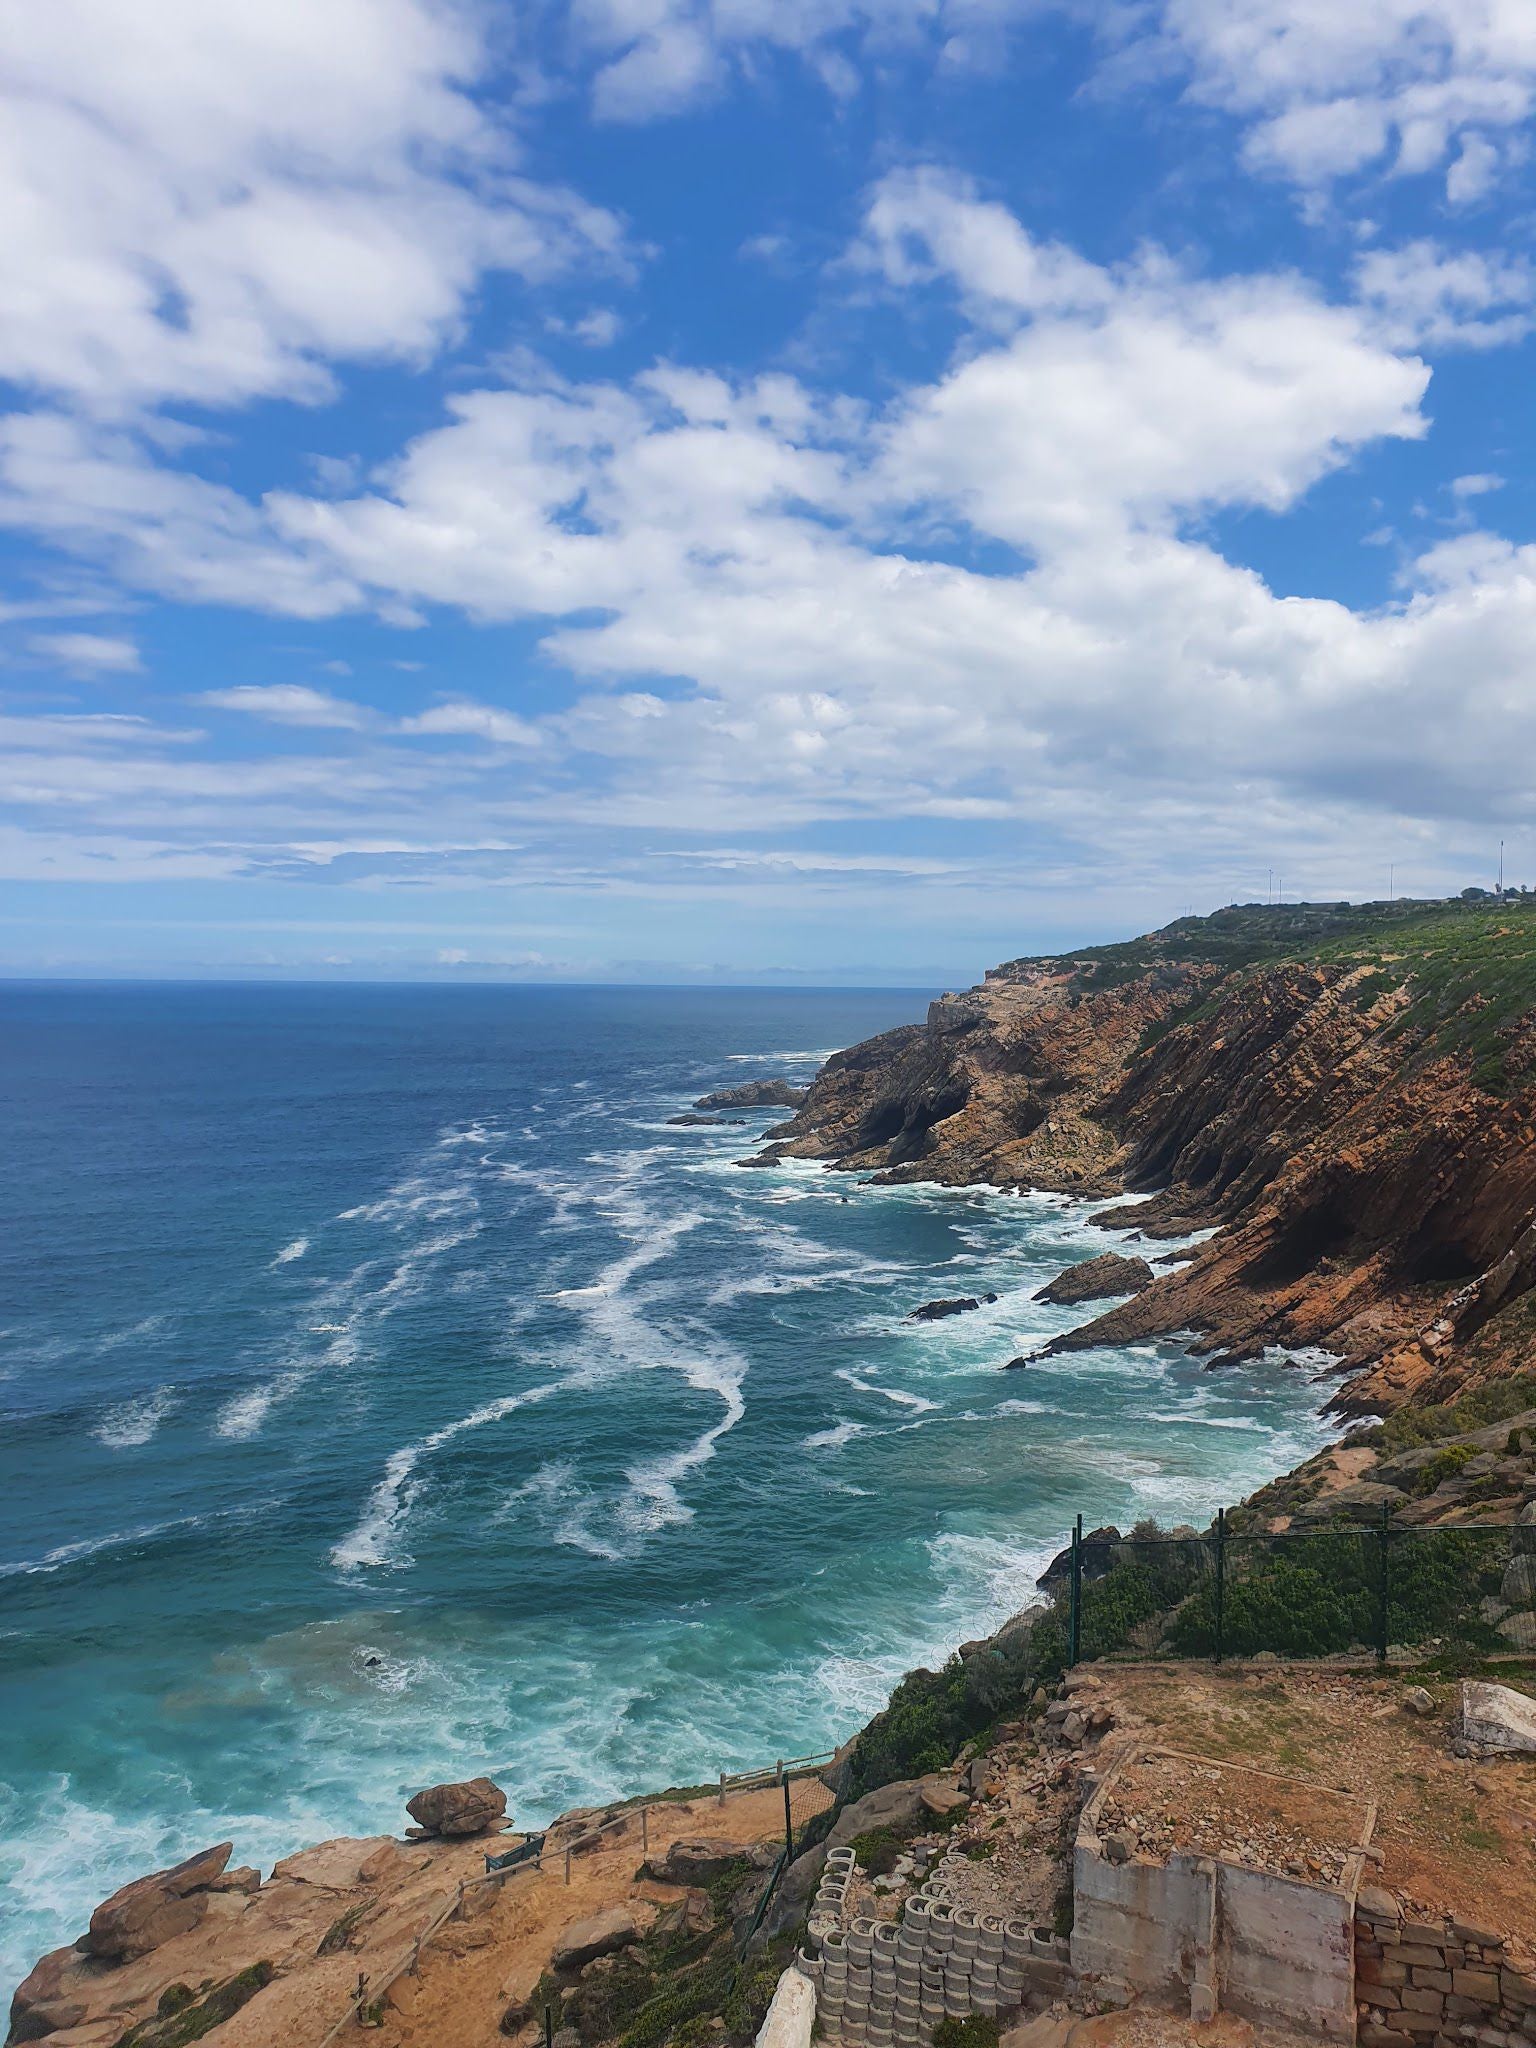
point(1366, 1183)
point(1358, 1183)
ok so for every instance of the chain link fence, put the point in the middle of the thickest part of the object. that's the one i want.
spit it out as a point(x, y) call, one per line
point(1339, 1590)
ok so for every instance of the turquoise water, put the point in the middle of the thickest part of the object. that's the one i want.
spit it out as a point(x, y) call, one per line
point(389, 1394)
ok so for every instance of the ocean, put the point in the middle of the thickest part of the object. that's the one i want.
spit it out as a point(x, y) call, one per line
point(388, 1393)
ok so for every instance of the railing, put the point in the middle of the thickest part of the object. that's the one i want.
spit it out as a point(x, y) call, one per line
point(578, 1837)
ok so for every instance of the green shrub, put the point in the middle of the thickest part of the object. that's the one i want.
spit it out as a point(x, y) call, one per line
point(976, 2030)
point(1445, 1464)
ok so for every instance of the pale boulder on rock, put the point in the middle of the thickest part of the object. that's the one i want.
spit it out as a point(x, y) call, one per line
point(1496, 1719)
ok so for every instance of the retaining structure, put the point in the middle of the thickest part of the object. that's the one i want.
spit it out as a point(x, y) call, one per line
point(888, 1984)
point(1436, 1983)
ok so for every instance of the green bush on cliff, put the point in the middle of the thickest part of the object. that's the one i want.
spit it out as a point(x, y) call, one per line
point(1407, 1428)
point(1442, 1466)
point(186, 2023)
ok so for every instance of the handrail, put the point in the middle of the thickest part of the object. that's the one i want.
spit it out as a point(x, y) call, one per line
point(576, 1830)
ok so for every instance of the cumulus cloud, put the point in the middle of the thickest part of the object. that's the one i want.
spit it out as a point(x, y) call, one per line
point(1398, 86)
point(203, 200)
point(991, 597)
point(1424, 295)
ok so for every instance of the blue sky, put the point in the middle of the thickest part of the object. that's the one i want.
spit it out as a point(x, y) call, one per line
point(842, 490)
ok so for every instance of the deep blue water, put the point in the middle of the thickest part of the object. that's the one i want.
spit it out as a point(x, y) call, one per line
point(387, 1393)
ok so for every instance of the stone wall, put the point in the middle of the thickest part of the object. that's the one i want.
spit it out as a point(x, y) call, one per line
point(888, 1983)
point(1436, 1983)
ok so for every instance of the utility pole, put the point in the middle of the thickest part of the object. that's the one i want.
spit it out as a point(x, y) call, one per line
point(1501, 867)
point(1392, 883)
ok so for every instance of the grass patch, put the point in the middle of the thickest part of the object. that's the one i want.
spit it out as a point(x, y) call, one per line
point(189, 2021)
point(976, 2030)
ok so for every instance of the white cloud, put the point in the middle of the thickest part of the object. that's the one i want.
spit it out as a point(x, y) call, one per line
point(1423, 295)
point(88, 653)
point(925, 223)
point(288, 704)
point(204, 200)
point(1398, 86)
point(477, 721)
point(1476, 486)
point(767, 602)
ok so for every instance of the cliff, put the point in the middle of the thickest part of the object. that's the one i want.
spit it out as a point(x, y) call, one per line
point(1343, 1092)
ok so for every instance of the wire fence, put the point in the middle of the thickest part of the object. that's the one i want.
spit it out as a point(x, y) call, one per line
point(1339, 1590)
point(720, 1978)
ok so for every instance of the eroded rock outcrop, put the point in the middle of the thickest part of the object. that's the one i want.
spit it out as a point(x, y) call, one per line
point(1097, 1280)
point(773, 1093)
point(1347, 1093)
point(153, 1910)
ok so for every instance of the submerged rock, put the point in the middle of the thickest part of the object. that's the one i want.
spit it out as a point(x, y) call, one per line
point(773, 1093)
point(936, 1311)
point(1097, 1279)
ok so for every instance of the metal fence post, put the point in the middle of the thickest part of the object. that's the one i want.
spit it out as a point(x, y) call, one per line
point(1077, 1588)
point(1383, 1586)
point(1221, 1579)
point(722, 1788)
point(549, 2026)
point(789, 1829)
point(645, 1829)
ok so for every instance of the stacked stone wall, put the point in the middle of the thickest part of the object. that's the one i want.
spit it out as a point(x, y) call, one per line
point(1437, 1983)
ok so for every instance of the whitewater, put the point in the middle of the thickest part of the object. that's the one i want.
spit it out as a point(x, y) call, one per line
point(390, 1393)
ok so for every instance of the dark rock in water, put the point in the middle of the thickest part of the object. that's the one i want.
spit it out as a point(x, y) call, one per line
point(936, 1311)
point(774, 1093)
point(470, 1808)
point(698, 1122)
point(1097, 1279)
point(1017, 1364)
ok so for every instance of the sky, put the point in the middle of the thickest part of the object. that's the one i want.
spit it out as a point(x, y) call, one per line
point(754, 490)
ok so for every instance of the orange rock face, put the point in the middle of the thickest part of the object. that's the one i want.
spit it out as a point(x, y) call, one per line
point(1373, 1198)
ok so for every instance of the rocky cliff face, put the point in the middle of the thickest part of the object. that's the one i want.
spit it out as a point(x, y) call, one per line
point(1347, 1094)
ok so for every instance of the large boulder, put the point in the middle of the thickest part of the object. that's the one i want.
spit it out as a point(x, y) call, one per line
point(908, 1803)
point(151, 1910)
point(1097, 1279)
point(44, 2002)
point(1495, 1720)
point(697, 1862)
point(342, 1862)
point(602, 1934)
point(471, 1808)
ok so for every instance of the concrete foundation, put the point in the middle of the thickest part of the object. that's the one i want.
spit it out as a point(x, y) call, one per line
point(1213, 1933)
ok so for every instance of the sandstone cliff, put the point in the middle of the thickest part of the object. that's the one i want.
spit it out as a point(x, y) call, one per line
point(1345, 1092)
